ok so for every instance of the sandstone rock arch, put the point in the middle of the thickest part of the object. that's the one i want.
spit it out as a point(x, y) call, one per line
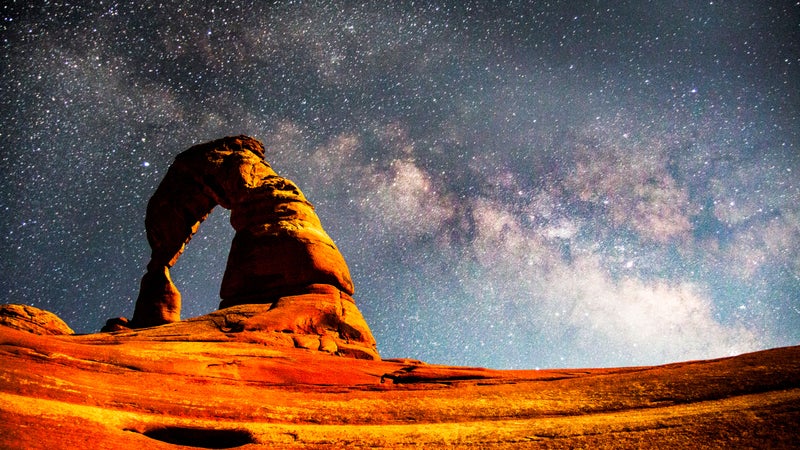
point(280, 250)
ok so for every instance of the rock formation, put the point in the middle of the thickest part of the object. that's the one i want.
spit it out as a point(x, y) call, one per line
point(33, 320)
point(280, 258)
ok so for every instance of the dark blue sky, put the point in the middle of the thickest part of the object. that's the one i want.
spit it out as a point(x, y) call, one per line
point(513, 184)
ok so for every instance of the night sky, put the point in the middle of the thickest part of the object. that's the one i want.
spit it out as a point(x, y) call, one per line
point(513, 184)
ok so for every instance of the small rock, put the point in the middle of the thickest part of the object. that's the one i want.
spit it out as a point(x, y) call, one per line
point(116, 324)
point(328, 344)
point(307, 341)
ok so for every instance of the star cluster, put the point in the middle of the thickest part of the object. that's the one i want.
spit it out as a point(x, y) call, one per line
point(513, 184)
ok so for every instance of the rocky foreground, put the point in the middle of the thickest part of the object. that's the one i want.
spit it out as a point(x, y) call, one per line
point(198, 386)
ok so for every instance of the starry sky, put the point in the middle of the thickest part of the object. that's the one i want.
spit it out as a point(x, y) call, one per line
point(513, 184)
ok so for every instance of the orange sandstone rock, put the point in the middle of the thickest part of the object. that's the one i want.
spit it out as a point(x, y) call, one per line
point(33, 320)
point(200, 383)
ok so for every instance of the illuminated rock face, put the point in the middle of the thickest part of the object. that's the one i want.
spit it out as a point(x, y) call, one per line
point(279, 251)
point(197, 383)
point(33, 320)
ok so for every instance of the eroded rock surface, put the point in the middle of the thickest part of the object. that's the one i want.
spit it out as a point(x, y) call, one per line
point(32, 320)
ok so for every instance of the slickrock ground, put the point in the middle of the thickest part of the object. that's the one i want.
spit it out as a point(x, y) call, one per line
point(210, 388)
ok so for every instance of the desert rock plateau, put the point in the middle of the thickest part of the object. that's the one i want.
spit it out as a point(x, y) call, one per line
point(198, 384)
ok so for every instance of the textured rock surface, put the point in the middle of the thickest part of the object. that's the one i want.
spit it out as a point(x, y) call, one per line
point(161, 387)
point(324, 320)
point(280, 253)
point(32, 320)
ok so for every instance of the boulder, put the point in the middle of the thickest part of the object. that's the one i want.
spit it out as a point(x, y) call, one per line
point(33, 320)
